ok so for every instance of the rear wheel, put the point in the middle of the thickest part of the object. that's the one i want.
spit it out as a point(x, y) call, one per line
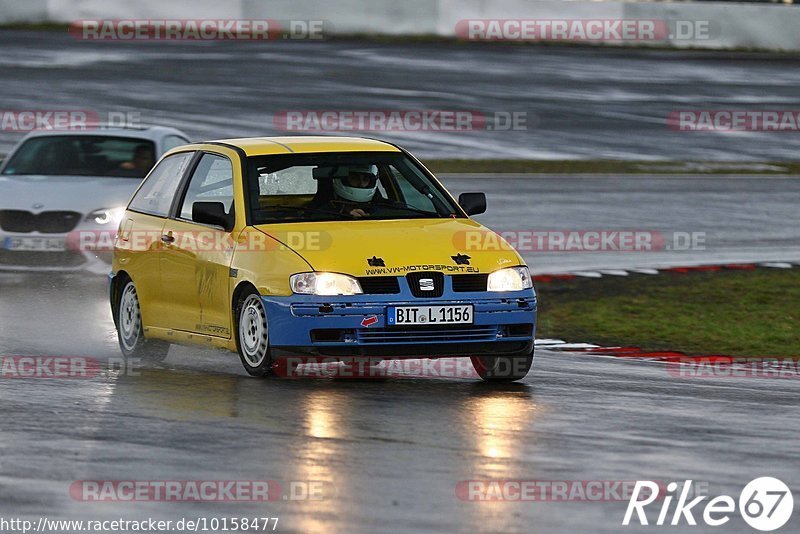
point(130, 331)
point(502, 368)
point(252, 336)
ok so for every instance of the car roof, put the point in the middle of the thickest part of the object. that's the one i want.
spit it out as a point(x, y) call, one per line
point(262, 146)
point(152, 133)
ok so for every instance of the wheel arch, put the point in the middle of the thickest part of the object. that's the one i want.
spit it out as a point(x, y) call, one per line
point(240, 288)
point(115, 292)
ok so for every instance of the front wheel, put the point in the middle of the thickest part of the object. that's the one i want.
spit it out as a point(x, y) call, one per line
point(252, 337)
point(502, 368)
point(130, 331)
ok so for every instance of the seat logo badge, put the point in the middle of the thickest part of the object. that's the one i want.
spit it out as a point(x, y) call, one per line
point(461, 259)
point(375, 261)
point(426, 284)
point(369, 321)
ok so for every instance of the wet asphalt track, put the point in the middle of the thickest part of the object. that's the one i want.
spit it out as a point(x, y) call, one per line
point(394, 450)
point(581, 102)
point(738, 218)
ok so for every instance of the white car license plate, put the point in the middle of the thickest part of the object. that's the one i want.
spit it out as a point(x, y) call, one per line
point(429, 315)
point(40, 244)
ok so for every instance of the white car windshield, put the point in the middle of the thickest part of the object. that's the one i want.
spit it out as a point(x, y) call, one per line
point(83, 155)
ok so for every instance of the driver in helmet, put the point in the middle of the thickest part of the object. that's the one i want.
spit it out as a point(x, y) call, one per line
point(354, 192)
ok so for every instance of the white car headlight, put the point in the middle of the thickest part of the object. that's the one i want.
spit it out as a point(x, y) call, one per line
point(105, 216)
point(510, 279)
point(325, 284)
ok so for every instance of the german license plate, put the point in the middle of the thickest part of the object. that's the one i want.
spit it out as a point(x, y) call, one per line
point(39, 244)
point(429, 315)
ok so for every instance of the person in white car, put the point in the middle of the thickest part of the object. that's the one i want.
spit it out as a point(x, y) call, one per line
point(62, 194)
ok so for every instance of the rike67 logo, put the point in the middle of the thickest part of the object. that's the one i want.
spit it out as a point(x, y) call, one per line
point(765, 504)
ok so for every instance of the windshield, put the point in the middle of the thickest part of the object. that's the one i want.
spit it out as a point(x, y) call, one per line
point(343, 186)
point(79, 155)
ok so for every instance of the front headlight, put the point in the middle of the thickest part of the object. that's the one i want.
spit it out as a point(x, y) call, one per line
point(325, 284)
point(105, 216)
point(510, 279)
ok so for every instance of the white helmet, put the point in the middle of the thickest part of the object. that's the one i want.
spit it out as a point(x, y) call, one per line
point(357, 194)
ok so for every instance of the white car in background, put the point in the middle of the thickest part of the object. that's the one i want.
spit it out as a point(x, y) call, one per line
point(62, 194)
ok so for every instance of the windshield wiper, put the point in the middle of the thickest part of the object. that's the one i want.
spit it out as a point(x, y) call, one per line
point(310, 210)
point(415, 210)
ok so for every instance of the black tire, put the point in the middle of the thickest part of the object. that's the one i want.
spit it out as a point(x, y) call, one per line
point(252, 334)
point(130, 332)
point(502, 368)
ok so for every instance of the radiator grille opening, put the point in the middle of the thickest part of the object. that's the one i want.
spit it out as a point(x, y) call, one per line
point(427, 334)
point(46, 222)
point(379, 285)
point(464, 283)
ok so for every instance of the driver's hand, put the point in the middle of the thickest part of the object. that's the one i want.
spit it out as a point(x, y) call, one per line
point(358, 212)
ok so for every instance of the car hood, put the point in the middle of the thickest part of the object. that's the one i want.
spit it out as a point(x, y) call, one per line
point(359, 247)
point(74, 193)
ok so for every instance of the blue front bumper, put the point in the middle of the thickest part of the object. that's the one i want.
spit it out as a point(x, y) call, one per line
point(503, 323)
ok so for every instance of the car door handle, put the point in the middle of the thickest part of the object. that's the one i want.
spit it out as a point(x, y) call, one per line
point(168, 238)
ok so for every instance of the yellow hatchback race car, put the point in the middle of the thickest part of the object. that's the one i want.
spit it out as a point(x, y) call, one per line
point(316, 247)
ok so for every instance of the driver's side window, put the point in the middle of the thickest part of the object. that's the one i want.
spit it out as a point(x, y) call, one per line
point(212, 181)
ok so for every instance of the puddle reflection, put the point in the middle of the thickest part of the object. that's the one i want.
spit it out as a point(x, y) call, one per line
point(350, 436)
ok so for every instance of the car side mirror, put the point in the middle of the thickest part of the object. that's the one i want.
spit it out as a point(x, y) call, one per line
point(472, 203)
point(212, 213)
